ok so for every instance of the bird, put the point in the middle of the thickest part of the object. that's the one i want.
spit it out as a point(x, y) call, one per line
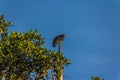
point(58, 39)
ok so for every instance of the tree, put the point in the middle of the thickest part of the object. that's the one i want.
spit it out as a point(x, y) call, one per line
point(24, 52)
point(97, 78)
point(57, 62)
point(3, 44)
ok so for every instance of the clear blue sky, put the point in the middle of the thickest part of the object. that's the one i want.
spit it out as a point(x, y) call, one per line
point(92, 29)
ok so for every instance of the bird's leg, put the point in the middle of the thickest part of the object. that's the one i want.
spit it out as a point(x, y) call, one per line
point(59, 48)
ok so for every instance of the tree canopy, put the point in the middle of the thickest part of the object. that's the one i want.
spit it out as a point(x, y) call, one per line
point(97, 78)
point(23, 52)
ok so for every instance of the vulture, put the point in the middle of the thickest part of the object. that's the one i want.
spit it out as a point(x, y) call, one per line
point(58, 40)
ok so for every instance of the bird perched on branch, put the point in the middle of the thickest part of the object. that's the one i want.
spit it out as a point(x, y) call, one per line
point(58, 40)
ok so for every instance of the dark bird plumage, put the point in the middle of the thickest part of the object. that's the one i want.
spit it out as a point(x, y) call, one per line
point(58, 39)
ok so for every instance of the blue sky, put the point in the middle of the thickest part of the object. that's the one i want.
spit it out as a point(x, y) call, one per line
point(92, 31)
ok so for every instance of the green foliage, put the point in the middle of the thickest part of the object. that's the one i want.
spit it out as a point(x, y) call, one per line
point(97, 78)
point(21, 53)
point(56, 63)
